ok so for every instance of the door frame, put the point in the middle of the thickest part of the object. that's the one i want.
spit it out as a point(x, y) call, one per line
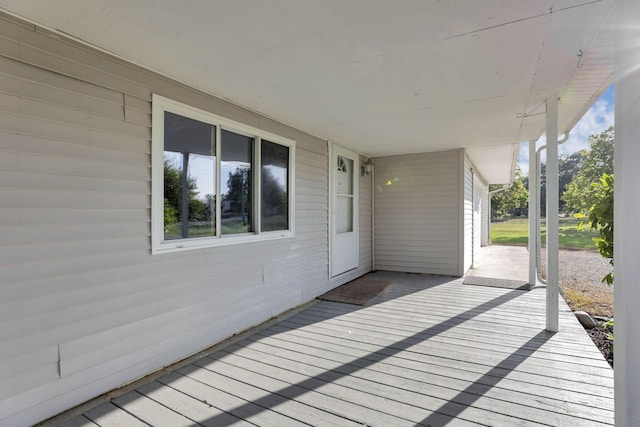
point(334, 151)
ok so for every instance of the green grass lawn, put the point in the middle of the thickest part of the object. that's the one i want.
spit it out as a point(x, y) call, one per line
point(515, 231)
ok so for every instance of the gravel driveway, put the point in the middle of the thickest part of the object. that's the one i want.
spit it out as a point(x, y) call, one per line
point(581, 274)
point(584, 267)
point(580, 266)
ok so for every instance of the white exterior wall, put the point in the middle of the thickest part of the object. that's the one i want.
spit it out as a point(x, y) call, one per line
point(418, 213)
point(474, 221)
point(84, 306)
point(627, 206)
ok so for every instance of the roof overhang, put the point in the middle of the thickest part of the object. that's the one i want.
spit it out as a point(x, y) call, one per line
point(381, 77)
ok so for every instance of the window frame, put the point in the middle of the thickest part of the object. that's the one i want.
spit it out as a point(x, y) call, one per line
point(160, 105)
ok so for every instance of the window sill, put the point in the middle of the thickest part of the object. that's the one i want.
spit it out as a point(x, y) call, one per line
point(212, 242)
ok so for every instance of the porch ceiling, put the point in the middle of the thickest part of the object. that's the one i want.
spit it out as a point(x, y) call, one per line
point(379, 77)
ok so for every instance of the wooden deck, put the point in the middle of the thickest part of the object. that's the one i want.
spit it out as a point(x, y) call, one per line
point(427, 351)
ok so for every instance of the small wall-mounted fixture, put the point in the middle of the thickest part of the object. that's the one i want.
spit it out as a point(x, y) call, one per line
point(366, 167)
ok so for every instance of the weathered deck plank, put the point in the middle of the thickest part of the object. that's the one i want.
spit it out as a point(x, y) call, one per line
point(197, 410)
point(426, 351)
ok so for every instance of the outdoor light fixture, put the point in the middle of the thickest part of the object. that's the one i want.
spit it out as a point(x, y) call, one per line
point(366, 167)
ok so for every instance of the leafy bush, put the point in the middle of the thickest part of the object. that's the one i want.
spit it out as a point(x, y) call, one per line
point(600, 218)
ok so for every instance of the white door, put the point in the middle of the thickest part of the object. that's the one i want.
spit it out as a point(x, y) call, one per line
point(344, 210)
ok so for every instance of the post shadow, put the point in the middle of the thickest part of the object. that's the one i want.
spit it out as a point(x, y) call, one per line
point(466, 397)
point(294, 390)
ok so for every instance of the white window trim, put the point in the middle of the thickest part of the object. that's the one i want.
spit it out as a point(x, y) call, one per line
point(161, 104)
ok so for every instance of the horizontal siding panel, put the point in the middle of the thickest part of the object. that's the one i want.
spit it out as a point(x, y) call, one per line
point(28, 379)
point(27, 162)
point(420, 232)
point(10, 197)
point(424, 221)
point(53, 267)
point(19, 365)
point(130, 309)
point(279, 269)
point(417, 190)
point(131, 115)
point(159, 291)
point(55, 113)
point(302, 197)
point(43, 93)
point(71, 183)
point(134, 103)
point(312, 159)
point(32, 126)
point(60, 250)
point(312, 173)
point(113, 285)
point(311, 220)
point(318, 183)
point(12, 69)
point(311, 193)
point(416, 217)
point(63, 215)
point(19, 235)
point(412, 243)
point(201, 317)
point(303, 236)
point(12, 142)
point(147, 276)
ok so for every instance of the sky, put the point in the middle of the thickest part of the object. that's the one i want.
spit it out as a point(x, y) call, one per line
point(598, 118)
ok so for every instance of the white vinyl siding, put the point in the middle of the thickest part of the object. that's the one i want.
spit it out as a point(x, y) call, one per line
point(84, 306)
point(474, 209)
point(417, 223)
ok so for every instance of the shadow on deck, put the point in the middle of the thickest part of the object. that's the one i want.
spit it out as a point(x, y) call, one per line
point(427, 351)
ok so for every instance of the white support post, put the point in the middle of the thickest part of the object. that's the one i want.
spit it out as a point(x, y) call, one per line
point(627, 205)
point(552, 214)
point(533, 211)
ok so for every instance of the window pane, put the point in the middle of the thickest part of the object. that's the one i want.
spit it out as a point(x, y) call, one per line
point(237, 194)
point(344, 214)
point(189, 178)
point(345, 175)
point(274, 176)
point(344, 200)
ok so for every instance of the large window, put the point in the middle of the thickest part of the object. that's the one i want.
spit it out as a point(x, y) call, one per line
point(216, 181)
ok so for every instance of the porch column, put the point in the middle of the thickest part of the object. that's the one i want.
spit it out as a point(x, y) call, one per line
point(533, 211)
point(552, 214)
point(627, 206)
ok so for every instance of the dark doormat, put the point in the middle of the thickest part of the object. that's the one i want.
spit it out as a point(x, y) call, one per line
point(358, 292)
point(497, 283)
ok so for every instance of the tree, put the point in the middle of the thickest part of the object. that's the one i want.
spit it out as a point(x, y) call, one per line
point(579, 194)
point(510, 200)
point(568, 167)
point(239, 193)
point(198, 210)
point(601, 218)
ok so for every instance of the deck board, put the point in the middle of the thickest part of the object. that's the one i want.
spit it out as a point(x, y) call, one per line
point(427, 351)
